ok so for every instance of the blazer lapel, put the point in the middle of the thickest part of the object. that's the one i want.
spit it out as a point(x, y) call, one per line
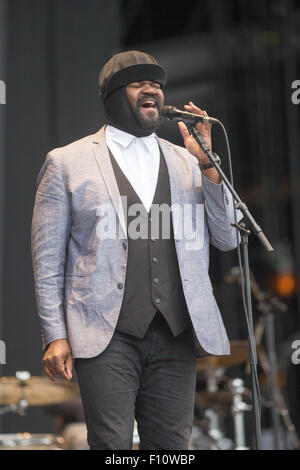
point(175, 176)
point(103, 160)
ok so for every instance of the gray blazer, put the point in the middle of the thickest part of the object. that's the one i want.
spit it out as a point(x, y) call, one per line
point(79, 275)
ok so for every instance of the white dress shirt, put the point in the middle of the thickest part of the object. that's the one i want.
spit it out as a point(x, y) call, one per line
point(138, 158)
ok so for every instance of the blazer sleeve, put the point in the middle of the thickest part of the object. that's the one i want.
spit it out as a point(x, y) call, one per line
point(220, 214)
point(50, 233)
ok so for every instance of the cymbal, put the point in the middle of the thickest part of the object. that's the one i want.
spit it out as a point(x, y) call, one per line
point(207, 399)
point(37, 391)
point(239, 354)
point(219, 398)
point(281, 378)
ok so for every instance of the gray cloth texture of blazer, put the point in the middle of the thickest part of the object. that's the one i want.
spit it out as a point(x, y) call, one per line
point(79, 271)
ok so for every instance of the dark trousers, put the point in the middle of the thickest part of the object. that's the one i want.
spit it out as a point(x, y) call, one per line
point(151, 380)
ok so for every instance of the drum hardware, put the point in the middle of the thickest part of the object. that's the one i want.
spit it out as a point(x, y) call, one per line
point(218, 438)
point(213, 379)
point(267, 305)
point(218, 405)
point(23, 376)
point(238, 409)
point(136, 437)
point(223, 400)
point(23, 390)
point(27, 441)
point(284, 413)
point(214, 396)
point(19, 408)
point(18, 393)
point(239, 355)
point(220, 401)
point(212, 369)
point(273, 377)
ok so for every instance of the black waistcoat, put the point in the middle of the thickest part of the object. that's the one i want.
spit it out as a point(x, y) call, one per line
point(153, 281)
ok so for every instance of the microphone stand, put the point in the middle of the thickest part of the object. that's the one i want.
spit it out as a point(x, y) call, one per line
point(244, 226)
point(267, 305)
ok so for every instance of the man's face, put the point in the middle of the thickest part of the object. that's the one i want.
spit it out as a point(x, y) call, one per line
point(146, 99)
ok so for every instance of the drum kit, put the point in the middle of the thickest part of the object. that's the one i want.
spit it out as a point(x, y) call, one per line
point(217, 398)
point(23, 391)
point(220, 397)
point(223, 402)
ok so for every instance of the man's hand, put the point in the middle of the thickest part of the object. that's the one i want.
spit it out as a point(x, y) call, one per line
point(58, 360)
point(203, 128)
point(193, 147)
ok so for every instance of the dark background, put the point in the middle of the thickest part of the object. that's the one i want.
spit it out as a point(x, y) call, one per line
point(236, 58)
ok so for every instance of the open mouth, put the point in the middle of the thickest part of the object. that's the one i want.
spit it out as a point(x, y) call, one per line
point(149, 104)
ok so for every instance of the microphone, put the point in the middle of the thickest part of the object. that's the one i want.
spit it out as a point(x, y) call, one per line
point(174, 114)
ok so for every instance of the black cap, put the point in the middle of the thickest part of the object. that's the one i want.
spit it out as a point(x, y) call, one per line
point(127, 67)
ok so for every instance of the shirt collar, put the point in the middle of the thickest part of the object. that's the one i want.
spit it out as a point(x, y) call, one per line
point(125, 139)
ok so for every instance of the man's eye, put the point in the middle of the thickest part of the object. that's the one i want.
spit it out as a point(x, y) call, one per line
point(141, 84)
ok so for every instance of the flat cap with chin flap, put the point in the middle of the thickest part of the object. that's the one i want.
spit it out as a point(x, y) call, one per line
point(127, 67)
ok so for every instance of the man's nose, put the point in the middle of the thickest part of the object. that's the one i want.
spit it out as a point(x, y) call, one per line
point(149, 89)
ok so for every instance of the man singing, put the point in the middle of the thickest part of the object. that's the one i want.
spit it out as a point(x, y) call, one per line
point(131, 308)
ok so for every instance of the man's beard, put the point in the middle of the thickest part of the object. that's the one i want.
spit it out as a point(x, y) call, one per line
point(120, 113)
point(149, 123)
